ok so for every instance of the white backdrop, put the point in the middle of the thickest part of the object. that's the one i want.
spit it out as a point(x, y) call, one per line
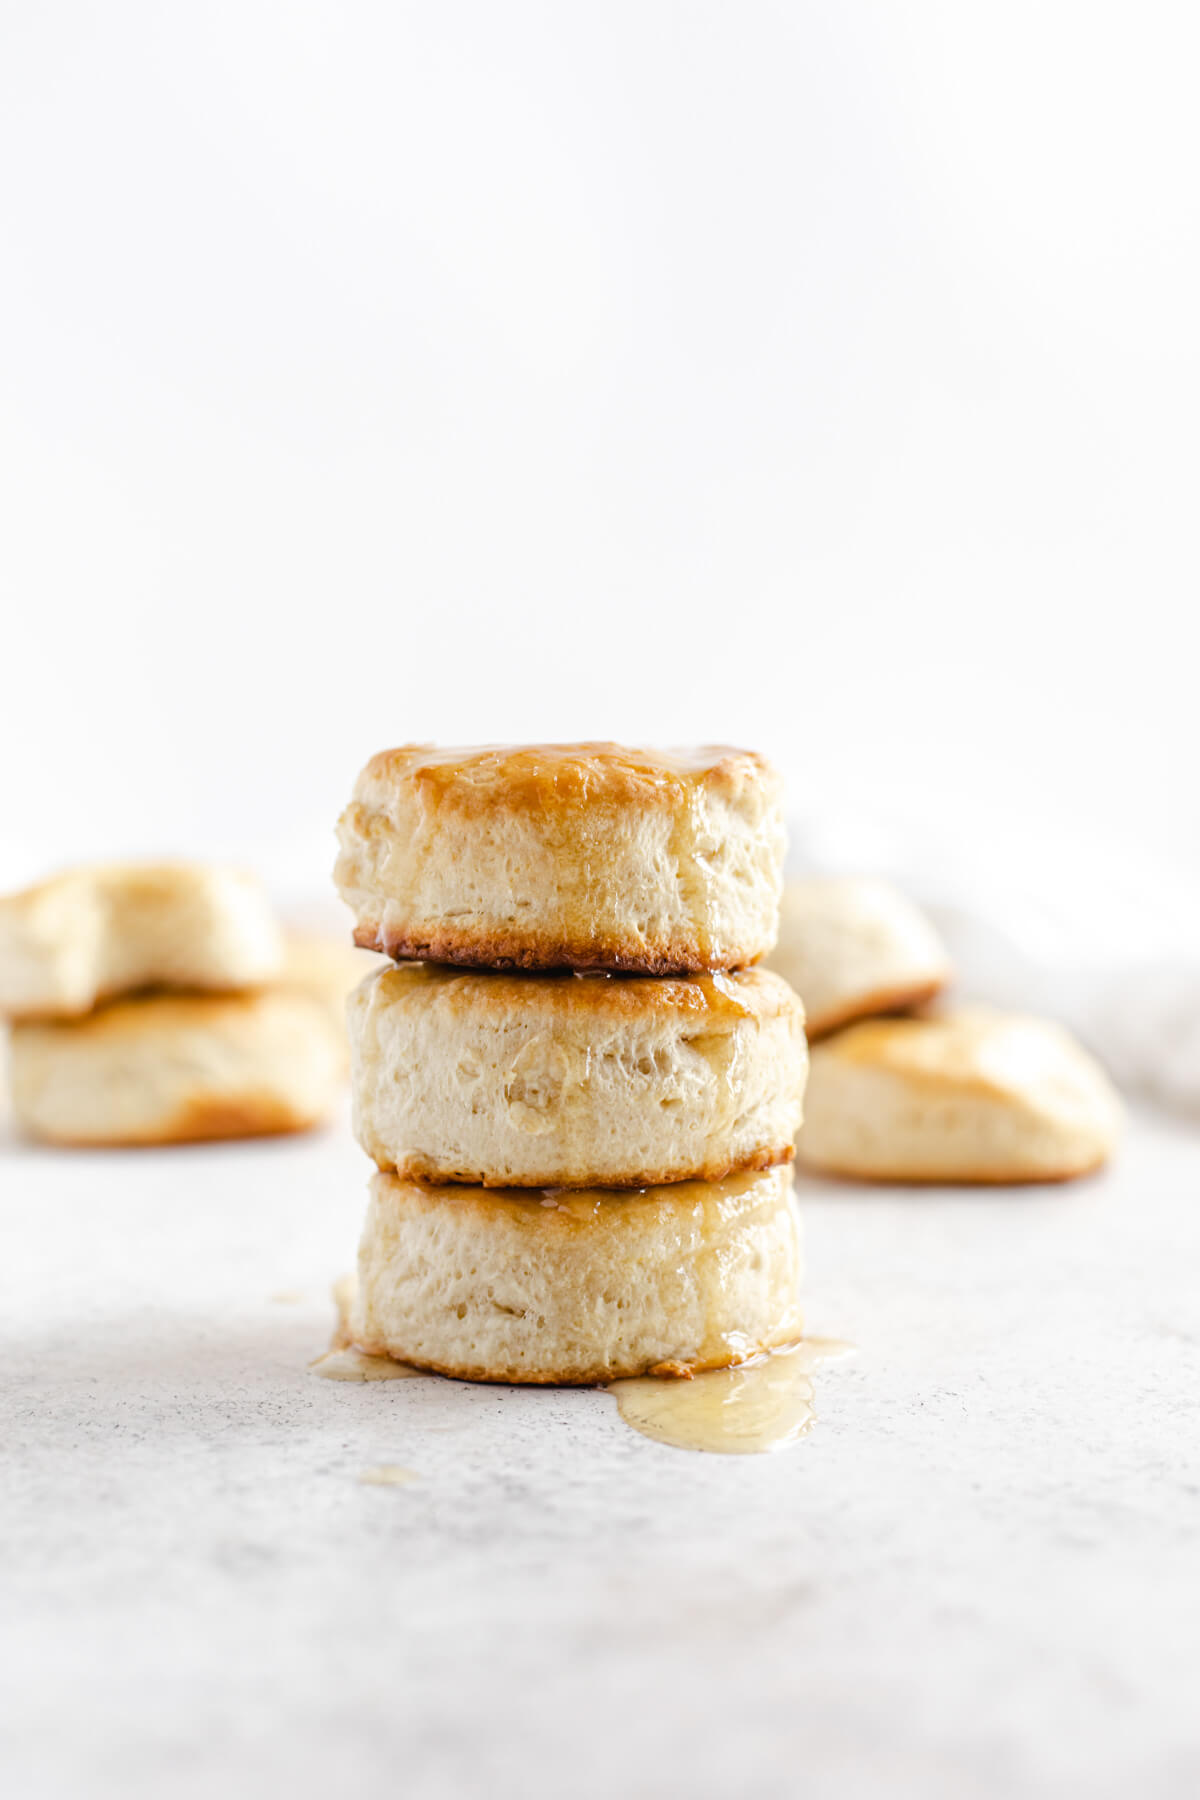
point(824, 378)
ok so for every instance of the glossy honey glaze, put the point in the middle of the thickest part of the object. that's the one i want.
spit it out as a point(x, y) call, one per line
point(548, 762)
point(757, 1406)
point(548, 776)
point(722, 996)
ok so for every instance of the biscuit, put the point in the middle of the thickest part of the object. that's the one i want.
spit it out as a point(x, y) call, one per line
point(584, 856)
point(569, 1080)
point(974, 1097)
point(854, 946)
point(91, 933)
point(172, 1068)
point(554, 1286)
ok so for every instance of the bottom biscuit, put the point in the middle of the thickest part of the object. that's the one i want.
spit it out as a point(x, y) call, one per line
point(550, 1285)
point(176, 1068)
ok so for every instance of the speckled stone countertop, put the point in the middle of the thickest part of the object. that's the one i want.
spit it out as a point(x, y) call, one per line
point(978, 1576)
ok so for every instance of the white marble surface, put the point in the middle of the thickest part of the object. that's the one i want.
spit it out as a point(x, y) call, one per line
point(979, 1575)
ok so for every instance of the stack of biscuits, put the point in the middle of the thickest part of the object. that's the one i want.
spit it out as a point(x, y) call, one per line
point(156, 1003)
point(580, 1093)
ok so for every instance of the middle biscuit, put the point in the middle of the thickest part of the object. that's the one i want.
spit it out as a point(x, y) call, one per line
point(575, 1081)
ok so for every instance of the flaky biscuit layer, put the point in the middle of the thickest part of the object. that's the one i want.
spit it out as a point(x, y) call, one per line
point(575, 1081)
point(587, 1286)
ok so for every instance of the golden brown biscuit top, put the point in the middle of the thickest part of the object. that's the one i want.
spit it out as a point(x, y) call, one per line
point(713, 1000)
point(529, 776)
point(975, 1049)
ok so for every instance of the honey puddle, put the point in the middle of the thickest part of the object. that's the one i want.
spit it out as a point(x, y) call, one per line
point(349, 1364)
point(755, 1407)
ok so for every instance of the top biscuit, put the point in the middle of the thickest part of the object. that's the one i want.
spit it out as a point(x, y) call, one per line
point(582, 856)
point(92, 933)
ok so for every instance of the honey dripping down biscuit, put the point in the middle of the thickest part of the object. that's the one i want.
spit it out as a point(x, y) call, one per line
point(577, 1286)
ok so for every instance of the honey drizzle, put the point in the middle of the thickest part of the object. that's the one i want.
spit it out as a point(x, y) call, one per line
point(349, 1364)
point(750, 1409)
